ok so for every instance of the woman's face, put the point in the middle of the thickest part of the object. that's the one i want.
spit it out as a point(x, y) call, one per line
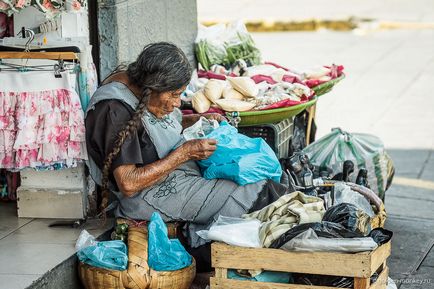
point(163, 103)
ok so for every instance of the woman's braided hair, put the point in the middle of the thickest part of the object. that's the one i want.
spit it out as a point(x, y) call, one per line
point(161, 67)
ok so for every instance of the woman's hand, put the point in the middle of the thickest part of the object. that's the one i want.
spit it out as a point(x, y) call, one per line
point(199, 149)
point(215, 116)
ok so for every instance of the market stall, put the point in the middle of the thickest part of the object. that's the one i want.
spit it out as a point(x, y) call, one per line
point(326, 232)
point(261, 98)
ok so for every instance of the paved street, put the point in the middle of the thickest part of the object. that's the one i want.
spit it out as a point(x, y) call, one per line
point(387, 92)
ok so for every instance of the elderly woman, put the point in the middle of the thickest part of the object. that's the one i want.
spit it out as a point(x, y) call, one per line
point(136, 149)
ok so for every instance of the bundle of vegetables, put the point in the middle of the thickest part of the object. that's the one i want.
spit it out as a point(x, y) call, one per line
point(245, 50)
point(224, 45)
point(209, 53)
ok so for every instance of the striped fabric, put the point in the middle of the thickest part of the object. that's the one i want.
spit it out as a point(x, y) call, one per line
point(285, 213)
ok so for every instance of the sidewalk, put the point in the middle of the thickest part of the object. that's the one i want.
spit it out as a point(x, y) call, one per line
point(34, 255)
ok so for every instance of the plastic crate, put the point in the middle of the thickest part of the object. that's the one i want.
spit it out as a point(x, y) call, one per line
point(277, 135)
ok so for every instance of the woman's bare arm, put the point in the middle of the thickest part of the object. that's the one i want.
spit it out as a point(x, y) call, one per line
point(131, 179)
point(190, 119)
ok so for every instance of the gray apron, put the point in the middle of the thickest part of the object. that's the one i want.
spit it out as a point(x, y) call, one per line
point(183, 195)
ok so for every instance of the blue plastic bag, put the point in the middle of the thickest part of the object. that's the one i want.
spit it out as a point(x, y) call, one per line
point(265, 276)
point(164, 254)
point(240, 158)
point(108, 255)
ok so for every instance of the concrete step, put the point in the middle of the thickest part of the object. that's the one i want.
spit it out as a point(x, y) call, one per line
point(34, 255)
point(64, 275)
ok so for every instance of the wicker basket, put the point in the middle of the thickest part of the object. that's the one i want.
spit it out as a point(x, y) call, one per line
point(138, 275)
point(256, 117)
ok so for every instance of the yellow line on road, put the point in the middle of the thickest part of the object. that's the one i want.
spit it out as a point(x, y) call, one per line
point(417, 183)
point(316, 24)
point(406, 25)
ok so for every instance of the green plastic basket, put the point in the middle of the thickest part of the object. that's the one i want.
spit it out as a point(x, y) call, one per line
point(325, 87)
point(270, 115)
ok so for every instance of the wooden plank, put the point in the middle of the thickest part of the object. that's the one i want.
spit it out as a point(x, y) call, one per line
point(39, 55)
point(217, 283)
point(221, 273)
point(379, 256)
point(334, 264)
point(312, 112)
point(381, 282)
point(361, 283)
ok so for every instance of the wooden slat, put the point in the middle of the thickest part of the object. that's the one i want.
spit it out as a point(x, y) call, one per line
point(379, 256)
point(361, 283)
point(348, 265)
point(39, 55)
point(217, 283)
point(381, 282)
point(312, 112)
point(221, 273)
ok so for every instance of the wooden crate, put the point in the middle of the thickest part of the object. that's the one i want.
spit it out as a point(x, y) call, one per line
point(360, 266)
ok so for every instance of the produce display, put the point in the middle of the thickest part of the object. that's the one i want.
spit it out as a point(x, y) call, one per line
point(232, 78)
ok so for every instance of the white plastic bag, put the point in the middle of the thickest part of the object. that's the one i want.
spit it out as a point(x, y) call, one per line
point(85, 240)
point(200, 129)
point(309, 241)
point(391, 284)
point(344, 194)
point(234, 231)
point(224, 45)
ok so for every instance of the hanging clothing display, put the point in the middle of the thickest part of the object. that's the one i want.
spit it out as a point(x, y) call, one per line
point(41, 121)
point(87, 82)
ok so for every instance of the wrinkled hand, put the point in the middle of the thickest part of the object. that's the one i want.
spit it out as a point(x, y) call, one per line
point(215, 116)
point(199, 149)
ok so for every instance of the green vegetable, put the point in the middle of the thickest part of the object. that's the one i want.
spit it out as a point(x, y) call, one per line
point(121, 228)
point(209, 53)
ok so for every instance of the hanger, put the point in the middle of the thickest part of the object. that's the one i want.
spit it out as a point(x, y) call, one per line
point(36, 55)
point(58, 55)
point(27, 33)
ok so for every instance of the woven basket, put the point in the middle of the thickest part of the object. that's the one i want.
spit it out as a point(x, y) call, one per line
point(257, 117)
point(138, 275)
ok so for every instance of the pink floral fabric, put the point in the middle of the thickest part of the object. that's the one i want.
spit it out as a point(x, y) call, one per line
point(41, 129)
point(6, 24)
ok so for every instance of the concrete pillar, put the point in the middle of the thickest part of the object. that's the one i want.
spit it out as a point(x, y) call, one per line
point(125, 26)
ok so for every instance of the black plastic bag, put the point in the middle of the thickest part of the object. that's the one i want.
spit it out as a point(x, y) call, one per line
point(322, 229)
point(324, 280)
point(381, 236)
point(349, 216)
point(298, 140)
